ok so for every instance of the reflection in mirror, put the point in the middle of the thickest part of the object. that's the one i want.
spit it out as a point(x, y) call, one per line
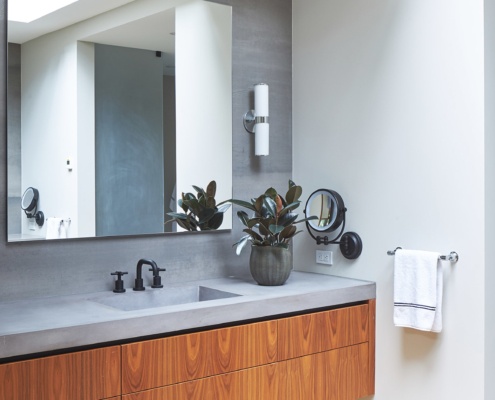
point(115, 108)
point(328, 206)
point(29, 204)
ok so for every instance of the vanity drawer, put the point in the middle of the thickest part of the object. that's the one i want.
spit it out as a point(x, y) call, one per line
point(85, 375)
point(322, 331)
point(155, 363)
point(341, 374)
point(258, 383)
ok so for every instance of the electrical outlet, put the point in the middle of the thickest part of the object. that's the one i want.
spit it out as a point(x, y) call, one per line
point(324, 257)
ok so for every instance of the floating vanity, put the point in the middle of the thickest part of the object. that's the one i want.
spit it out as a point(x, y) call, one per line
point(220, 339)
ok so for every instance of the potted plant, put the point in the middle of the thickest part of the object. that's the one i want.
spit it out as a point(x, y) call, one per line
point(200, 212)
point(270, 230)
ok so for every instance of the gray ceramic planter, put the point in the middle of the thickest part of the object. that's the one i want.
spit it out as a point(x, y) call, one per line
point(270, 266)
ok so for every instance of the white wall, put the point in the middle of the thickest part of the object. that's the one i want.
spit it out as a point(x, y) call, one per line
point(49, 125)
point(489, 197)
point(204, 98)
point(389, 112)
point(85, 168)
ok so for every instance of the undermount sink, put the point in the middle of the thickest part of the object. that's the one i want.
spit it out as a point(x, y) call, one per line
point(152, 298)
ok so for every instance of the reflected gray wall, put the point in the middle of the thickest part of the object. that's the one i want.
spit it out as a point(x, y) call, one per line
point(14, 132)
point(128, 141)
point(261, 53)
point(170, 149)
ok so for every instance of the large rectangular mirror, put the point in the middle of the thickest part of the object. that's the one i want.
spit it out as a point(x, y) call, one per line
point(115, 108)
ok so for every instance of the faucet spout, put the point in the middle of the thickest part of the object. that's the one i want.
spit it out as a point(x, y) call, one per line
point(138, 283)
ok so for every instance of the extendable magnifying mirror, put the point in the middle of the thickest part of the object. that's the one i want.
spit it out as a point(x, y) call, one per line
point(29, 203)
point(330, 210)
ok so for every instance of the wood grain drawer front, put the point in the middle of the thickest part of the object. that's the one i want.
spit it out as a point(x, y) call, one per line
point(86, 375)
point(259, 383)
point(340, 374)
point(155, 363)
point(322, 331)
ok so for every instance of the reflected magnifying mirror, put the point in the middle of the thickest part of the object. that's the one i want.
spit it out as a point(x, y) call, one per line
point(29, 203)
point(328, 206)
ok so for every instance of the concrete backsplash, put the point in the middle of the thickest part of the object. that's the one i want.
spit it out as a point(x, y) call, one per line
point(261, 53)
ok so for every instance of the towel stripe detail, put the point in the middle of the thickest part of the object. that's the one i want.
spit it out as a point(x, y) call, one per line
point(413, 305)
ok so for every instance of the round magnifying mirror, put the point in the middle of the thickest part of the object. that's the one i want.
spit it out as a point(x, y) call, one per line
point(29, 200)
point(328, 206)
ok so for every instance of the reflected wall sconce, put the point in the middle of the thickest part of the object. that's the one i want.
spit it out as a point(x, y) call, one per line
point(256, 121)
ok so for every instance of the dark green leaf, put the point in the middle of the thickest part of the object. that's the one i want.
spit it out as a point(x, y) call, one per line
point(205, 215)
point(276, 229)
point(258, 204)
point(253, 221)
point(289, 207)
point(307, 219)
point(243, 217)
point(194, 205)
point(287, 219)
point(177, 215)
point(210, 202)
point(271, 192)
point(215, 221)
point(242, 203)
point(288, 232)
point(183, 206)
point(188, 196)
point(211, 189)
point(184, 225)
point(241, 243)
point(222, 208)
point(264, 230)
point(293, 194)
point(253, 234)
point(271, 206)
point(198, 189)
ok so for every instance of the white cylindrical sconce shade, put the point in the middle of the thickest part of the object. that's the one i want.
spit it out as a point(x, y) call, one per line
point(262, 139)
point(261, 127)
point(261, 100)
point(256, 121)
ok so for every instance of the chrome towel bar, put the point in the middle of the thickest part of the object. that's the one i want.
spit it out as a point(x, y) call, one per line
point(452, 257)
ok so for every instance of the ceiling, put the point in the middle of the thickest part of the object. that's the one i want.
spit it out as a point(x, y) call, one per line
point(154, 32)
point(79, 11)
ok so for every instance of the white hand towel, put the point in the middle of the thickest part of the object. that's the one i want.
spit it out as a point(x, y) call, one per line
point(418, 288)
point(55, 228)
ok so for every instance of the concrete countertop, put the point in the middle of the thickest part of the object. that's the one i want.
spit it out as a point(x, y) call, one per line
point(40, 325)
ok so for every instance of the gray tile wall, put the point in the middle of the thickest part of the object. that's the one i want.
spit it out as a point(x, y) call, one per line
point(261, 53)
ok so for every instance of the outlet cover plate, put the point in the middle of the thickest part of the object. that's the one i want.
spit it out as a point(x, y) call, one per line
point(324, 257)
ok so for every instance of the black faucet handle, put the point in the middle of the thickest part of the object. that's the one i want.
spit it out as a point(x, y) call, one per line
point(119, 283)
point(157, 279)
point(158, 269)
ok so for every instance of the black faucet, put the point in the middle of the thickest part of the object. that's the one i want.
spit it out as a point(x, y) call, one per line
point(157, 280)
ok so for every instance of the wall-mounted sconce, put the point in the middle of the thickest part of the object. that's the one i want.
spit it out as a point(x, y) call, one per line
point(29, 203)
point(256, 121)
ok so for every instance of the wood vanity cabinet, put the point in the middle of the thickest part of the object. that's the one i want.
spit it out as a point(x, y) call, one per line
point(90, 374)
point(322, 355)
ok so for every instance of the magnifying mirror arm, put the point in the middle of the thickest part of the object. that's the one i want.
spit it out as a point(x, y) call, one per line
point(38, 216)
point(324, 240)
